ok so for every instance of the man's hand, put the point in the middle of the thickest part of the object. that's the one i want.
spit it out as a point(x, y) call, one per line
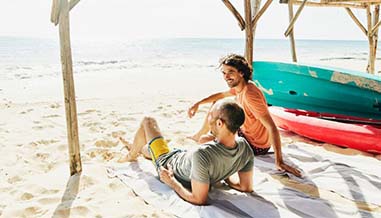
point(192, 110)
point(166, 175)
point(283, 166)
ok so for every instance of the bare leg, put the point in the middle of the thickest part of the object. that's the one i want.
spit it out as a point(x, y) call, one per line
point(148, 130)
point(204, 129)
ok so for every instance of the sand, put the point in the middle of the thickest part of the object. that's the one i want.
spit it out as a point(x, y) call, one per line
point(34, 167)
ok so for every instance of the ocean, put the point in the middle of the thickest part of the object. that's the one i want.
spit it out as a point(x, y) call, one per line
point(24, 58)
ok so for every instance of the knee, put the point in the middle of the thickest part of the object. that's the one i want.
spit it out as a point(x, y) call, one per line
point(148, 121)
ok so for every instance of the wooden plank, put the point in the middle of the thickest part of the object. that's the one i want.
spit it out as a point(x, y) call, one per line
point(55, 13)
point(291, 36)
point(292, 22)
point(69, 93)
point(236, 14)
point(358, 23)
point(317, 4)
point(73, 3)
point(248, 32)
point(260, 12)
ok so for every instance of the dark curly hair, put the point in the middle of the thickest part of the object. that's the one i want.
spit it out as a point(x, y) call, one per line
point(238, 62)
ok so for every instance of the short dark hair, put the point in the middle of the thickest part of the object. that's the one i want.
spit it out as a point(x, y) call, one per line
point(238, 62)
point(232, 114)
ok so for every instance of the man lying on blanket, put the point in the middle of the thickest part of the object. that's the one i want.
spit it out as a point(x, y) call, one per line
point(210, 163)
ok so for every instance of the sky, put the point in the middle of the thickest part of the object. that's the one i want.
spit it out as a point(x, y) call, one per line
point(121, 19)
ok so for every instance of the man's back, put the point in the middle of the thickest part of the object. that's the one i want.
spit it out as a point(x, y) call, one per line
point(211, 162)
point(254, 104)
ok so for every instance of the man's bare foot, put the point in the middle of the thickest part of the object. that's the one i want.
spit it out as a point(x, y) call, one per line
point(126, 143)
point(128, 158)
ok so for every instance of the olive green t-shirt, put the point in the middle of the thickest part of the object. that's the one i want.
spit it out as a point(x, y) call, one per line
point(209, 163)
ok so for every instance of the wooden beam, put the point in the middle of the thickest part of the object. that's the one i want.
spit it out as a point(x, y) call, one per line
point(260, 12)
point(255, 7)
point(291, 36)
point(355, 1)
point(236, 14)
point(330, 4)
point(376, 17)
point(73, 3)
point(69, 93)
point(354, 18)
point(375, 27)
point(55, 13)
point(248, 33)
point(292, 22)
point(371, 60)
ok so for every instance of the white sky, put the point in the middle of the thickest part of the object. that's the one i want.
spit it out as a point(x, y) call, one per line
point(121, 19)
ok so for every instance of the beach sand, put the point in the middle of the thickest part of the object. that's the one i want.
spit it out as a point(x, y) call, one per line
point(34, 167)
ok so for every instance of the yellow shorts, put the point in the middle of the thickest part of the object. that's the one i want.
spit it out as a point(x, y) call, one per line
point(157, 147)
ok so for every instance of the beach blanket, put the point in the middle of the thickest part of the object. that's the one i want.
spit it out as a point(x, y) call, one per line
point(333, 185)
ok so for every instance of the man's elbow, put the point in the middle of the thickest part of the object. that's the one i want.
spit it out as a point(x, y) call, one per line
point(199, 202)
point(247, 190)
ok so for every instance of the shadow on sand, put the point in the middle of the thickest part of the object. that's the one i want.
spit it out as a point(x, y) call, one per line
point(72, 187)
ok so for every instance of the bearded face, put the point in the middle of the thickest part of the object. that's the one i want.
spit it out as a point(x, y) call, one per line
point(231, 75)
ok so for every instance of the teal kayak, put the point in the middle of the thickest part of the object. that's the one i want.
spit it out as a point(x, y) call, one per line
point(319, 89)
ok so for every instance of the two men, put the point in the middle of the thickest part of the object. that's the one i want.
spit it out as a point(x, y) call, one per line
point(259, 128)
point(208, 164)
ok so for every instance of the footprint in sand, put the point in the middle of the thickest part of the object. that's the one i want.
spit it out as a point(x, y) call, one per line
point(33, 212)
point(42, 156)
point(47, 201)
point(106, 143)
point(127, 119)
point(55, 105)
point(42, 127)
point(51, 116)
point(43, 142)
point(117, 134)
point(14, 179)
point(26, 196)
point(27, 111)
point(87, 112)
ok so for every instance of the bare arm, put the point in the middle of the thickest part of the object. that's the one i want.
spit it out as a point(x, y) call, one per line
point(198, 195)
point(269, 124)
point(244, 182)
point(212, 98)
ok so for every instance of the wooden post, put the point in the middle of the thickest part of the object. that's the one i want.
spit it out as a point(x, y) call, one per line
point(291, 25)
point(255, 8)
point(69, 94)
point(370, 67)
point(291, 36)
point(249, 32)
point(375, 34)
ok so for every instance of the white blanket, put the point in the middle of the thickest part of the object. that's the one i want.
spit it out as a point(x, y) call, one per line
point(333, 185)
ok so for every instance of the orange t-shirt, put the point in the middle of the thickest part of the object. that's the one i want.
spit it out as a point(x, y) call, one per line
point(253, 102)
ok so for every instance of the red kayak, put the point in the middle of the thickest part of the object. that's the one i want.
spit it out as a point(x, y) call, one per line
point(358, 136)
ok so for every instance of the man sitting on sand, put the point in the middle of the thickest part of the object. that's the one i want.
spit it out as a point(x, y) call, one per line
point(210, 163)
point(259, 128)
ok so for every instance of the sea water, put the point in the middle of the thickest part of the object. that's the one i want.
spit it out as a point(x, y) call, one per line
point(23, 58)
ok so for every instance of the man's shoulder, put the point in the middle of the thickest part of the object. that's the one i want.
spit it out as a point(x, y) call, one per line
point(252, 88)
